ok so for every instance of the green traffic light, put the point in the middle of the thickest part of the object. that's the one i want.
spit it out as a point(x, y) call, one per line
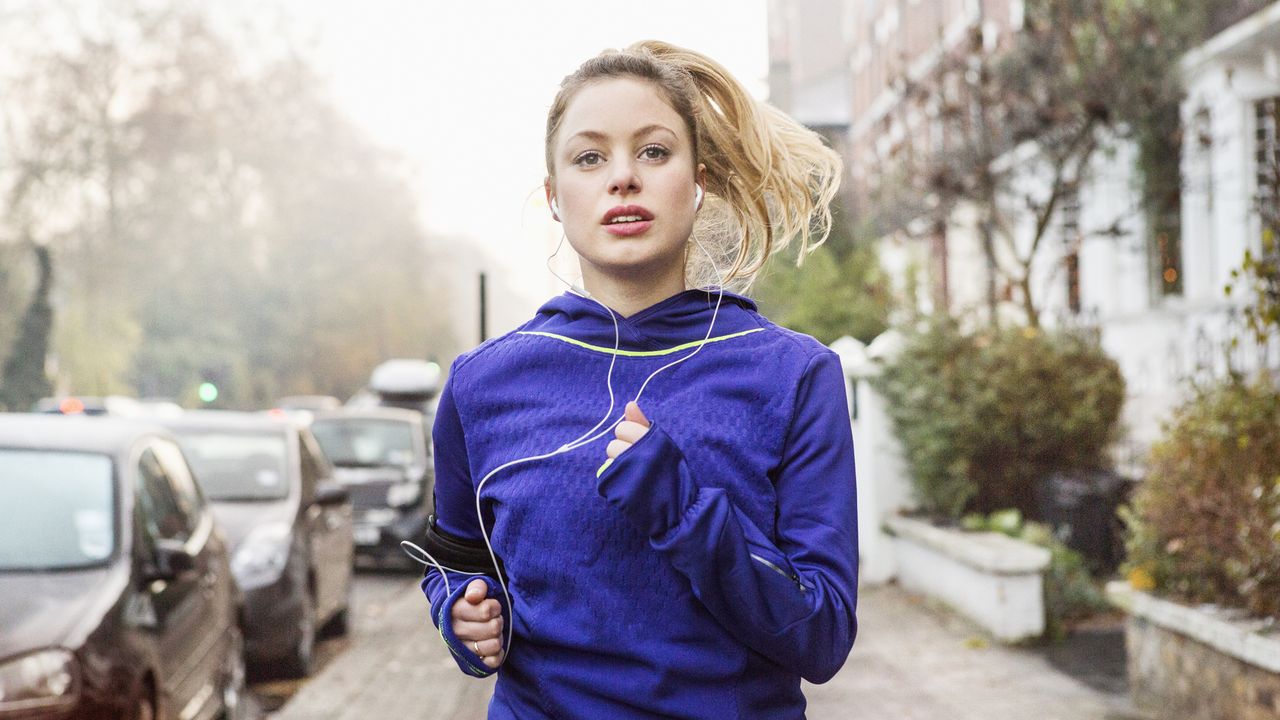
point(208, 392)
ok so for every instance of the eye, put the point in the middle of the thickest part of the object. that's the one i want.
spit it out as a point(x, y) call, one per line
point(590, 158)
point(654, 152)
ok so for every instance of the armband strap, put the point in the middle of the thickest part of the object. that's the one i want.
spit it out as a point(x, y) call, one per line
point(456, 553)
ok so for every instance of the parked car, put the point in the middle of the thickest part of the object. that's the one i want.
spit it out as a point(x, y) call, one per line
point(289, 526)
point(118, 405)
point(116, 594)
point(404, 383)
point(312, 403)
point(383, 456)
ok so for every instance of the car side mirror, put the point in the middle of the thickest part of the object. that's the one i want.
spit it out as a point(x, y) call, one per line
point(331, 493)
point(172, 560)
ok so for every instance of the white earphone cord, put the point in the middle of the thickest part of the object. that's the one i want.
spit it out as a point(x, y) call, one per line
point(425, 558)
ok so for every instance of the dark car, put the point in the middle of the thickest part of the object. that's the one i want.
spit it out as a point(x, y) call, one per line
point(382, 455)
point(289, 526)
point(116, 594)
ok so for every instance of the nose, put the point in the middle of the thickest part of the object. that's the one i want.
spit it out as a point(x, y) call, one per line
point(624, 180)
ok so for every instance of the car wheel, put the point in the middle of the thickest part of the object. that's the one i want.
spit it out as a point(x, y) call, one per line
point(232, 680)
point(298, 662)
point(340, 624)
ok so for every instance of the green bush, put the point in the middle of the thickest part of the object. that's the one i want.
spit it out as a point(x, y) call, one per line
point(983, 417)
point(1204, 526)
point(1070, 593)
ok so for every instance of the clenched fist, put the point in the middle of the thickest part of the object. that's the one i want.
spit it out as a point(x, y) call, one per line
point(477, 621)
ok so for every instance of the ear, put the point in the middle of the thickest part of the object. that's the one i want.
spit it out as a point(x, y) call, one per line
point(700, 177)
point(551, 199)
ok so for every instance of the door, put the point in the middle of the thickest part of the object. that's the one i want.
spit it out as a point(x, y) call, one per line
point(180, 603)
point(330, 526)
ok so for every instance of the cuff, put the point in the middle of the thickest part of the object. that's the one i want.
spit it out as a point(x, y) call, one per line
point(650, 483)
point(467, 660)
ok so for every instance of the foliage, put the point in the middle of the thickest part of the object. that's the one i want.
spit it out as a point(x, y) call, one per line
point(1260, 271)
point(23, 381)
point(840, 289)
point(983, 417)
point(1205, 524)
point(213, 213)
point(1070, 592)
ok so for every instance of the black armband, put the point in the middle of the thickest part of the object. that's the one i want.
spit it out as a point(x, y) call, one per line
point(456, 553)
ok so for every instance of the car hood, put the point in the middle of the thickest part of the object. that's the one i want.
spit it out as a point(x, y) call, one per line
point(363, 475)
point(55, 609)
point(238, 519)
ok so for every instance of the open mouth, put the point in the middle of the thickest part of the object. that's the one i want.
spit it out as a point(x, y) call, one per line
point(627, 220)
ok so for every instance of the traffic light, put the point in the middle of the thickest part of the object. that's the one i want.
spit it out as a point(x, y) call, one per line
point(208, 392)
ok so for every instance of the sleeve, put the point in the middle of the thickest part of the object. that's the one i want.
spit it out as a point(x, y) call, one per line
point(793, 601)
point(455, 518)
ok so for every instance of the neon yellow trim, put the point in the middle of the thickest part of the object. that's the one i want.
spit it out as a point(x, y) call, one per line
point(639, 353)
point(606, 464)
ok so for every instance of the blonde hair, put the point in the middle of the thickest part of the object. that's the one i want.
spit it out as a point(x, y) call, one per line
point(770, 180)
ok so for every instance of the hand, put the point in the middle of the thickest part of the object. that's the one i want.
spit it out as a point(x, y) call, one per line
point(477, 622)
point(632, 428)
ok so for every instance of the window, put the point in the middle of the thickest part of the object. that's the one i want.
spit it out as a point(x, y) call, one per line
point(1069, 220)
point(1267, 156)
point(164, 514)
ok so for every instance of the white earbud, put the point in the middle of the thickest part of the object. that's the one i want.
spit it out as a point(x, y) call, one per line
point(697, 198)
point(555, 209)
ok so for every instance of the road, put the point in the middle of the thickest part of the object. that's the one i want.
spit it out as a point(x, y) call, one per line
point(386, 605)
point(913, 661)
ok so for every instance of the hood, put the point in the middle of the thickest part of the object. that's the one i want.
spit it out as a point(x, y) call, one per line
point(237, 519)
point(682, 318)
point(365, 475)
point(54, 609)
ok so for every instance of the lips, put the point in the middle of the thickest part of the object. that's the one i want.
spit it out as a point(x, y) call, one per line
point(627, 220)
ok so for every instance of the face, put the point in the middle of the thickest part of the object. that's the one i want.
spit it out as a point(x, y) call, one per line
point(625, 182)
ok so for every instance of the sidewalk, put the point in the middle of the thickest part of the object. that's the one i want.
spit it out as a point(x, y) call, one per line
point(911, 662)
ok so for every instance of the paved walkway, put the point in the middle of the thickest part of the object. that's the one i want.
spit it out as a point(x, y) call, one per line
point(912, 661)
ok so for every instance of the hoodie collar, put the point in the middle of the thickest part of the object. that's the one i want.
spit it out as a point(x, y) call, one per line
point(664, 326)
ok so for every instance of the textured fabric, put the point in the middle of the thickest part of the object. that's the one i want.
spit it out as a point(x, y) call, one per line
point(708, 568)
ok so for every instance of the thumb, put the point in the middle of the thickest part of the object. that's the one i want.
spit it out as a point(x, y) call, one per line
point(634, 414)
point(476, 590)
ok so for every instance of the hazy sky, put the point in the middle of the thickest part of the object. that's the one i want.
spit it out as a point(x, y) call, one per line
point(462, 90)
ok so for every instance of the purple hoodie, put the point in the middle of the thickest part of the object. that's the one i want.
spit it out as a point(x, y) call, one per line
point(704, 572)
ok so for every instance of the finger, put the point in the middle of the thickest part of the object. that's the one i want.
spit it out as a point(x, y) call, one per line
point(494, 661)
point(616, 447)
point(634, 414)
point(488, 648)
point(476, 590)
point(491, 609)
point(470, 613)
point(630, 431)
point(486, 630)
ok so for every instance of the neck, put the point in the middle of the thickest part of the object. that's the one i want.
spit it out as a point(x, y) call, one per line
point(629, 295)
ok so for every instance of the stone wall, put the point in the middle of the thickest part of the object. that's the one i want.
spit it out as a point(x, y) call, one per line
point(1181, 679)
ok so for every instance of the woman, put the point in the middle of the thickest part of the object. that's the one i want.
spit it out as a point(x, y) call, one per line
point(694, 554)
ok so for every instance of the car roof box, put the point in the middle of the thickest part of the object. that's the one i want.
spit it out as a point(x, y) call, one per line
point(405, 376)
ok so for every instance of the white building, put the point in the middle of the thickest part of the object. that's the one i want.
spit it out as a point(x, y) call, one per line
point(1164, 318)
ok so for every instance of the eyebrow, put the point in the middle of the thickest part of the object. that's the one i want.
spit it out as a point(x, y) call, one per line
point(597, 135)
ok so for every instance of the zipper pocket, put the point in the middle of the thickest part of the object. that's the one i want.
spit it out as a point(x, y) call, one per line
point(772, 566)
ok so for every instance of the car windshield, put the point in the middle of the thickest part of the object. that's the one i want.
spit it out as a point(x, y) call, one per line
point(362, 442)
point(233, 466)
point(57, 509)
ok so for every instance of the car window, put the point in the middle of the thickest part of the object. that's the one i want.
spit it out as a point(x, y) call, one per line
point(179, 472)
point(237, 466)
point(163, 511)
point(363, 442)
point(57, 509)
